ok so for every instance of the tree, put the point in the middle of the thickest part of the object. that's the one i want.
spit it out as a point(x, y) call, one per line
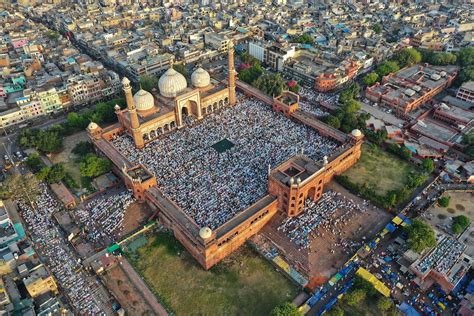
point(351, 106)
point(270, 84)
point(437, 58)
point(27, 137)
point(355, 297)
point(286, 309)
point(377, 28)
point(466, 56)
point(181, 69)
point(391, 199)
point(34, 162)
point(468, 138)
point(20, 187)
point(304, 39)
point(349, 122)
point(387, 67)
point(94, 166)
point(249, 59)
point(384, 304)
point(105, 112)
point(82, 149)
point(443, 59)
point(371, 78)
point(333, 121)
point(415, 180)
point(49, 141)
point(465, 74)
point(52, 35)
point(77, 121)
point(408, 57)
point(428, 165)
point(460, 223)
point(56, 174)
point(42, 174)
point(444, 201)
point(148, 82)
point(249, 75)
point(420, 236)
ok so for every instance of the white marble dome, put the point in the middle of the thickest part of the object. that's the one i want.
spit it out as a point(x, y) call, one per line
point(200, 78)
point(356, 133)
point(172, 83)
point(143, 100)
point(205, 232)
point(92, 126)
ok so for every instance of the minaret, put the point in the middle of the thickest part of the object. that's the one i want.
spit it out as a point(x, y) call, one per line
point(232, 99)
point(132, 111)
point(127, 89)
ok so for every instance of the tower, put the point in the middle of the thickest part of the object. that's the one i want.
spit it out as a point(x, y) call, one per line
point(132, 111)
point(232, 99)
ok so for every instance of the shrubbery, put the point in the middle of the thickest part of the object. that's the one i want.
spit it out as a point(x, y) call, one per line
point(460, 223)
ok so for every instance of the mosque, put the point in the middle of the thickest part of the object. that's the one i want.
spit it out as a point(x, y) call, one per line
point(148, 115)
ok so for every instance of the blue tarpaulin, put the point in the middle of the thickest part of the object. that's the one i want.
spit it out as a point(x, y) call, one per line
point(470, 287)
point(408, 310)
point(390, 227)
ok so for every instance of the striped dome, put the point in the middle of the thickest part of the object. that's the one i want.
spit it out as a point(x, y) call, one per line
point(172, 83)
point(200, 78)
point(143, 100)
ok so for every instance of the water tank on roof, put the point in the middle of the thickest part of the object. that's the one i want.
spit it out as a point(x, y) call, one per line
point(417, 88)
point(435, 77)
point(444, 106)
point(443, 73)
point(422, 123)
point(409, 92)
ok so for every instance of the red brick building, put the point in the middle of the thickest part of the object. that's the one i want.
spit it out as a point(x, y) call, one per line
point(411, 87)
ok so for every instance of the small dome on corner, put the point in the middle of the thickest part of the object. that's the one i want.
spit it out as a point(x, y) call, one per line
point(92, 126)
point(356, 133)
point(205, 232)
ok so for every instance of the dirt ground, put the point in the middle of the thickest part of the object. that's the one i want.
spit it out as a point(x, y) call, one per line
point(67, 158)
point(136, 215)
point(461, 203)
point(125, 292)
point(323, 258)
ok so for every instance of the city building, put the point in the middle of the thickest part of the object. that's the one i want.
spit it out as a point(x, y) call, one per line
point(410, 88)
point(466, 92)
point(446, 264)
point(40, 282)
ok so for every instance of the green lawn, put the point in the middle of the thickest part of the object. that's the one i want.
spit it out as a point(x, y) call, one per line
point(379, 169)
point(243, 284)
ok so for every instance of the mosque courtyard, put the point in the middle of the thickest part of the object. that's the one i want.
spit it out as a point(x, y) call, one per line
point(217, 167)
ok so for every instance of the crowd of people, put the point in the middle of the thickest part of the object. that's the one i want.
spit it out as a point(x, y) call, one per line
point(54, 250)
point(103, 217)
point(301, 229)
point(312, 101)
point(211, 186)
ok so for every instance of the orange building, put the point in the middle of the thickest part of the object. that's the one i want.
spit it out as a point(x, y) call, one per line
point(327, 82)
